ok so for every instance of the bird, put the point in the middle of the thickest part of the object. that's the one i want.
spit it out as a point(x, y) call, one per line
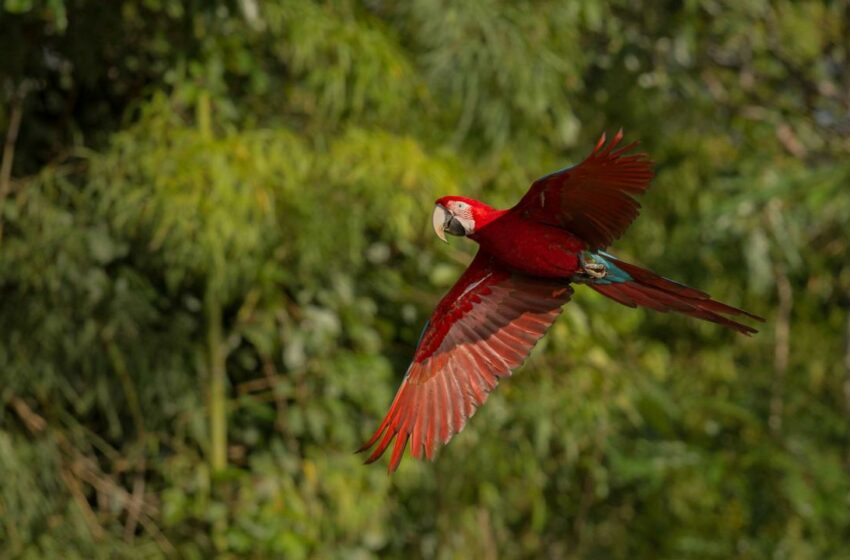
point(528, 260)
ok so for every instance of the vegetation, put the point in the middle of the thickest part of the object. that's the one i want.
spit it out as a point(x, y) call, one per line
point(215, 261)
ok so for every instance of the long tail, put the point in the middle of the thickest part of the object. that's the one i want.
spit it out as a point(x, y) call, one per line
point(637, 287)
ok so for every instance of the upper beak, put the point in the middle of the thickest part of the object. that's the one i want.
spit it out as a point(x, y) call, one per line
point(439, 219)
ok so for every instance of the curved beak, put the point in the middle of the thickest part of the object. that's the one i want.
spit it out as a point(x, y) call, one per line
point(439, 219)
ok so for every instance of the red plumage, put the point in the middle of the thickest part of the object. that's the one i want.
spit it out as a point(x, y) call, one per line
point(593, 200)
point(661, 294)
point(513, 291)
point(481, 331)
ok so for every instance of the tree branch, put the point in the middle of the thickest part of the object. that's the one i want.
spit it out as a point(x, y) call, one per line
point(847, 367)
point(781, 350)
point(9, 149)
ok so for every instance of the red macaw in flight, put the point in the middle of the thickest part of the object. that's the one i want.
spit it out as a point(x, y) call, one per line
point(512, 292)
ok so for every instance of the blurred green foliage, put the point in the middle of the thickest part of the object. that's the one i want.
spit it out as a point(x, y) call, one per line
point(218, 211)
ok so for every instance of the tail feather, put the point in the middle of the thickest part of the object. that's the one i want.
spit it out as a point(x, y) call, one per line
point(634, 286)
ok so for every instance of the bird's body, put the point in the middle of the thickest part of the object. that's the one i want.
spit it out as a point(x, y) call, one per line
point(514, 289)
point(530, 247)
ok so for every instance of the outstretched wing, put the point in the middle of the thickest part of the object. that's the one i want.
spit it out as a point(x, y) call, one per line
point(594, 199)
point(481, 331)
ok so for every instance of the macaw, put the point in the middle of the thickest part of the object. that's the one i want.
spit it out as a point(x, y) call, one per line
point(515, 287)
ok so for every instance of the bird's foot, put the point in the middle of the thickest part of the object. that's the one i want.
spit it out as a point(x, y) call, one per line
point(594, 270)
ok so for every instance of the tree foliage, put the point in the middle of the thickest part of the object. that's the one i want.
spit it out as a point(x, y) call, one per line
point(215, 263)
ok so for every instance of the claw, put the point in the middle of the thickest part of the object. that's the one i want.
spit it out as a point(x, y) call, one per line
point(594, 270)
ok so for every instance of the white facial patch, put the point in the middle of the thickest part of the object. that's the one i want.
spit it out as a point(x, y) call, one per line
point(463, 214)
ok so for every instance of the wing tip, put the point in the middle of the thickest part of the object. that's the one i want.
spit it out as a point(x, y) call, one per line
point(755, 317)
point(607, 151)
point(600, 142)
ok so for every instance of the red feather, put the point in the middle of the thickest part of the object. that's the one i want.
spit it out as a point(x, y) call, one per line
point(487, 324)
point(482, 330)
point(594, 199)
point(653, 291)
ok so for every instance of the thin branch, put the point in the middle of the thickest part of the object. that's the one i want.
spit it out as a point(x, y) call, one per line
point(76, 490)
point(88, 472)
point(258, 384)
point(34, 423)
point(119, 365)
point(9, 150)
point(217, 381)
point(280, 402)
point(137, 501)
point(847, 367)
point(487, 540)
point(78, 468)
point(11, 528)
point(781, 350)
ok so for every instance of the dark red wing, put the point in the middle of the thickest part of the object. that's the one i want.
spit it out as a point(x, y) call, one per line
point(482, 330)
point(594, 199)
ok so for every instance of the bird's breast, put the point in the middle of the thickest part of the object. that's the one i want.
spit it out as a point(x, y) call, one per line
point(530, 247)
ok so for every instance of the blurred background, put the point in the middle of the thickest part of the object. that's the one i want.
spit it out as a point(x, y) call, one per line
point(216, 258)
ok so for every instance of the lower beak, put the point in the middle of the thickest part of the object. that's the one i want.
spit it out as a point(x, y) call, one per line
point(438, 220)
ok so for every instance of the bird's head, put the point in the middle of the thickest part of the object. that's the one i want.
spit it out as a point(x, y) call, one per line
point(458, 215)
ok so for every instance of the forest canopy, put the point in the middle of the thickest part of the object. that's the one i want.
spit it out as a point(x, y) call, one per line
point(216, 260)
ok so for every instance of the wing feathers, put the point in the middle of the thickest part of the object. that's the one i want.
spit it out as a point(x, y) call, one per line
point(594, 199)
point(434, 411)
point(481, 331)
